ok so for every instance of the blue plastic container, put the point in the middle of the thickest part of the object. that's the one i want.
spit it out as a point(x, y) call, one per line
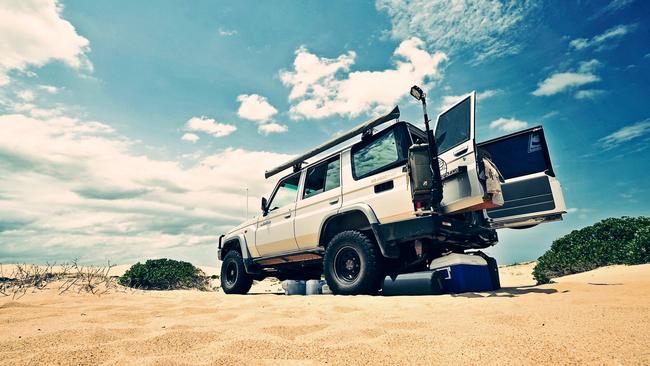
point(459, 273)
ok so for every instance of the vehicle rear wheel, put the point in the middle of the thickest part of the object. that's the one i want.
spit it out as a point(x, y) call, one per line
point(234, 279)
point(352, 264)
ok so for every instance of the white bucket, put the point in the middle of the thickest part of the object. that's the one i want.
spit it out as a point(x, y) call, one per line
point(292, 287)
point(314, 287)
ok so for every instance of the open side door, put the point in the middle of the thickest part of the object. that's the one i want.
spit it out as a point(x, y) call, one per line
point(531, 192)
point(454, 134)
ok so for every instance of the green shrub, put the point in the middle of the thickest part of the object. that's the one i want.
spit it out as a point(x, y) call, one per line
point(623, 240)
point(164, 274)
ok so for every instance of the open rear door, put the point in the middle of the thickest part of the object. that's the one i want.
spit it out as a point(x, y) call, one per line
point(531, 192)
point(454, 133)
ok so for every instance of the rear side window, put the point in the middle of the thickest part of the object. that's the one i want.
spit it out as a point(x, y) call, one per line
point(323, 177)
point(454, 126)
point(286, 193)
point(376, 155)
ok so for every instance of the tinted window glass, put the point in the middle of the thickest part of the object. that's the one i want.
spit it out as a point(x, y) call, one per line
point(286, 193)
point(375, 155)
point(322, 178)
point(519, 155)
point(454, 126)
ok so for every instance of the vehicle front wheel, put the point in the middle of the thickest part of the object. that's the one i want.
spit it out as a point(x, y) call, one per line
point(234, 279)
point(352, 264)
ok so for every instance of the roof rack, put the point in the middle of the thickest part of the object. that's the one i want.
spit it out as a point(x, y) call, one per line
point(360, 129)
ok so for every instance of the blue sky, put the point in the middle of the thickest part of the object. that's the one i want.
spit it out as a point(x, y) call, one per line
point(132, 130)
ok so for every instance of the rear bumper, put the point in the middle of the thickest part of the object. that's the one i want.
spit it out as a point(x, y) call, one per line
point(436, 228)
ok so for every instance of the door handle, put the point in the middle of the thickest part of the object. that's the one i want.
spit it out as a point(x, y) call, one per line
point(288, 216)
point(265, 223)
point(460, 152)
point(333, 202)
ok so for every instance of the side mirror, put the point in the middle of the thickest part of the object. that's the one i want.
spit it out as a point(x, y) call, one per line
point(265, 208)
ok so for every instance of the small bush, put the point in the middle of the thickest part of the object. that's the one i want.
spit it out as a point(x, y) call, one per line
point(623, 240)
point(164, 274)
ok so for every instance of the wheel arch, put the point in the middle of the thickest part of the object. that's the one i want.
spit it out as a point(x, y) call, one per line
point(356, 217)
point(235, 242)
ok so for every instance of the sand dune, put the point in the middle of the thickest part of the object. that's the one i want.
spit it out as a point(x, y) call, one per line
point(599, 317)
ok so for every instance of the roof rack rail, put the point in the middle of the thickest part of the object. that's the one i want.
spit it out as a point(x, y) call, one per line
point(360, 129)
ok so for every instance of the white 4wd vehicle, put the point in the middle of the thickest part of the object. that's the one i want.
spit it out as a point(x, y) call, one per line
point(355, 217)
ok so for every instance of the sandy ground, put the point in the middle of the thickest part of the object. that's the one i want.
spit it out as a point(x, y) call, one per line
point(598, 317)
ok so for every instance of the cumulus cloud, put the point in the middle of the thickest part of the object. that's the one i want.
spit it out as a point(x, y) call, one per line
point(255, 107)
point(323, 87)
point(33, 33)
point(488, 29)
point(76, 188)
point(561, 81)
point(191, 137)
point(273, 127)
point(605, 40)
point(626, 134)
point(209, 126)
point(508, 124)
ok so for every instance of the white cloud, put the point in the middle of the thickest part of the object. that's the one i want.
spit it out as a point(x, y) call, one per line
point(255, 107)
point(488, 93)
point(26, 95)
point(209, 126)
point(589, 93)
point(191, 137)
point(603, 41)
point(508, 124)
point(450, 100)
point(75, 188)
point(33, 33)
point(272, 127)
point(322, 87)
point(227, 32)
point(626, 134)
point(489, 29)
point(561, 81)
point(612, 7)
point(49, 88)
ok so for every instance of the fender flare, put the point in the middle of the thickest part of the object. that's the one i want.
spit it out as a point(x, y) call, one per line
point(387, 249)
point(243, 246)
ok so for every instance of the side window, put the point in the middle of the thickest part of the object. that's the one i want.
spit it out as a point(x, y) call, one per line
point(286, 193)
point(375, 155)
point(322, 177)
point(454, 126)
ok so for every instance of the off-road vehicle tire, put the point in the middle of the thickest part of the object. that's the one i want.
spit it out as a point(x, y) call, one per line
point(234, 279)
point(352, 264)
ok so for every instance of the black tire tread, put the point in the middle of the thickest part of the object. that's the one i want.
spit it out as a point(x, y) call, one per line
point(372, 281)
point(244, 281)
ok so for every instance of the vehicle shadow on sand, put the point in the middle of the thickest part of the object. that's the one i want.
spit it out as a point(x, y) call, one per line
point(510, 292)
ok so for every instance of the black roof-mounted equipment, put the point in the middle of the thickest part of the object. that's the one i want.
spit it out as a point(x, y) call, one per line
point(363, 128)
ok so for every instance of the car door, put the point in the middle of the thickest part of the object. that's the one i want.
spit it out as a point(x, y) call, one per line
point(274, 233)
point(454, 134)
point(532, 193)
point(320, 195)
